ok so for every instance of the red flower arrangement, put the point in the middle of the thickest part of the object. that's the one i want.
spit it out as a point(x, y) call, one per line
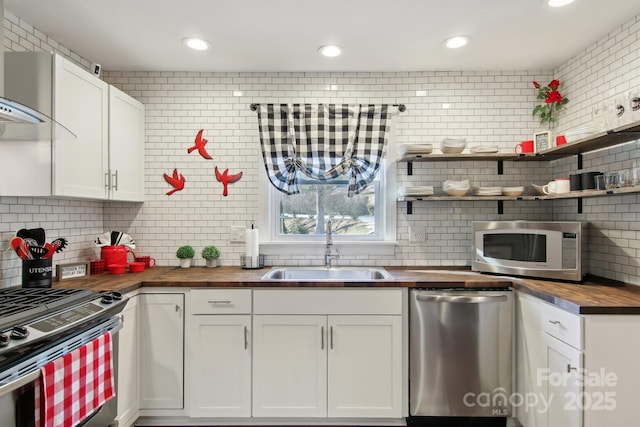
point(553, 102)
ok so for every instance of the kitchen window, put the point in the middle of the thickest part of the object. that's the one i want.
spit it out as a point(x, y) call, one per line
point(366, 218)
point(326, 162)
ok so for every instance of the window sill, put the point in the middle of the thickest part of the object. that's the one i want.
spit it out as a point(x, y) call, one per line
point(344, 248)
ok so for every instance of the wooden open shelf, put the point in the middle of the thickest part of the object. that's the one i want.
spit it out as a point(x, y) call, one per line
point(500, 199)
point(593, 142)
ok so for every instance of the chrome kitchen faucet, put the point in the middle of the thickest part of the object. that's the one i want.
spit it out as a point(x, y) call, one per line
point(329, 254)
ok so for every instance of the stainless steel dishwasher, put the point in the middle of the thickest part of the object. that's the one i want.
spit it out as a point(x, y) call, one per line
point(460, 356)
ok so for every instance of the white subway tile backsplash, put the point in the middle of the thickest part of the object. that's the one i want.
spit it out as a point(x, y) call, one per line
point(486, 107)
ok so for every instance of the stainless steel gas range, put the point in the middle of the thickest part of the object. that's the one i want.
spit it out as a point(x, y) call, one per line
point(40, 325)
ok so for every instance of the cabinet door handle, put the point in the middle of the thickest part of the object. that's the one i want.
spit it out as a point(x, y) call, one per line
point(321, 337)
point(331, 337)
point(115, 180)
point(219, 301)
point(554, 322)
point(107, 180)
point(177, 308)
point(246, 338)
point(569, 369)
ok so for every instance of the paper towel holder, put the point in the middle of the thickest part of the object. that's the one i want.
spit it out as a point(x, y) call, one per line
point(246, 261)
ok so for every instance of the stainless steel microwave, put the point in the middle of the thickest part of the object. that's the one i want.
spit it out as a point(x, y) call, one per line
point(551, 250)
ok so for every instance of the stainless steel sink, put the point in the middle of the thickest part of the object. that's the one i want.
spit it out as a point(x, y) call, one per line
point(323, 274)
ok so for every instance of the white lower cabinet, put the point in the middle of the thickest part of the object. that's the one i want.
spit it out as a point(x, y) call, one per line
point(161, 350)
point(364, 377)
point(327, 353)
point(563, 389)
point(219, 353)
point(127, 387)
point(575, 370)
point(290, 366)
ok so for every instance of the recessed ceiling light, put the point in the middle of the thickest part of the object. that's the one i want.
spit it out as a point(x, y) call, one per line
point(330, 50)
point(196, 43)
point(456, 42)
point(558, 3)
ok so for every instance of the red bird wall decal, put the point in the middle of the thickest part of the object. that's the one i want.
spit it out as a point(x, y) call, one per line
point(199, 145)
point(176, 181)
point(226, 179)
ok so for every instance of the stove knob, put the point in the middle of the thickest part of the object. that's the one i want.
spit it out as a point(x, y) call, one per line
point(19, 332)
point(106, 299)
point(4, 340)
point(117, 296)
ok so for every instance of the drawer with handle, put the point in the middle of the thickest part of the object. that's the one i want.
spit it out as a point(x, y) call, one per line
point(220, 301)
point(563, 325)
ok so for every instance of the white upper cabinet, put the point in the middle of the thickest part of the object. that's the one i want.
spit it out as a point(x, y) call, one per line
point(126, 147)
point(105, 161)
point(81, 103)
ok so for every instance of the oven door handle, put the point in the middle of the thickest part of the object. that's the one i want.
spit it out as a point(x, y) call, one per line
point(461, 299)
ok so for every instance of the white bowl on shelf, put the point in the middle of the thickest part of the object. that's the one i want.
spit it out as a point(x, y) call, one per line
point(453, 146)
point(451, 150)
point(456, 191)
point(454, 142)
point(512, 191)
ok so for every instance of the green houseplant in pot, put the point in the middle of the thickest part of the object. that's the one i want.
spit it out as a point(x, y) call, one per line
point(185, 254)
point(211, 255)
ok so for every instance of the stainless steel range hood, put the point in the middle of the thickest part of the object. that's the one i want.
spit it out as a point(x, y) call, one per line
point(12, 111)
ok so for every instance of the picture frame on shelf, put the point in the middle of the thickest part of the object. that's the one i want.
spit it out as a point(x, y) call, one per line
point(542, 141)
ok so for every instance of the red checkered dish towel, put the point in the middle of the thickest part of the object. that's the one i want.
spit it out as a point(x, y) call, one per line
point(75, 385)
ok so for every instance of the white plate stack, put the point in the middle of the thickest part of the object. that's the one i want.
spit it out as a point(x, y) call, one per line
point(414, 149)
point(453, 146)
point(580, 132)
point(456, 188)
point(485, 150)
point(489, 191)
point(417, 191)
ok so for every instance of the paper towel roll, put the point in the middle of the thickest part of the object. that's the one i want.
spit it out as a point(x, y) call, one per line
point(252, 246)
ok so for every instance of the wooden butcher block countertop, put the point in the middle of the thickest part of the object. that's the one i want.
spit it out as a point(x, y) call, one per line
point(586, 298)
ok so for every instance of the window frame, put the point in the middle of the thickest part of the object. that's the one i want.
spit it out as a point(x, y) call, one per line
point(385, 221)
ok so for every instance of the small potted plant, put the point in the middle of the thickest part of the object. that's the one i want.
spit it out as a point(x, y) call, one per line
point(211, 255)
point(185, 254)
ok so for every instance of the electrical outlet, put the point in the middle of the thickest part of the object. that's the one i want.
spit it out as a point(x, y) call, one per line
point(417, 234)
point(237, 234)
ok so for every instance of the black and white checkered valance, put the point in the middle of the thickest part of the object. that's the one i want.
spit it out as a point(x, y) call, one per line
point(323, 142)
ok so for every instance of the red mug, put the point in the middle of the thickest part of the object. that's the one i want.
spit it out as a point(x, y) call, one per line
point(525, 147)
point(97, 266)
point(147, 260)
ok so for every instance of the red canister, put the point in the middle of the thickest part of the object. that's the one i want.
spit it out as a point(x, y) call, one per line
point(115, 254)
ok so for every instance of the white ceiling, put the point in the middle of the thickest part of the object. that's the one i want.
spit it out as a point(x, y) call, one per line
point(283, 35)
